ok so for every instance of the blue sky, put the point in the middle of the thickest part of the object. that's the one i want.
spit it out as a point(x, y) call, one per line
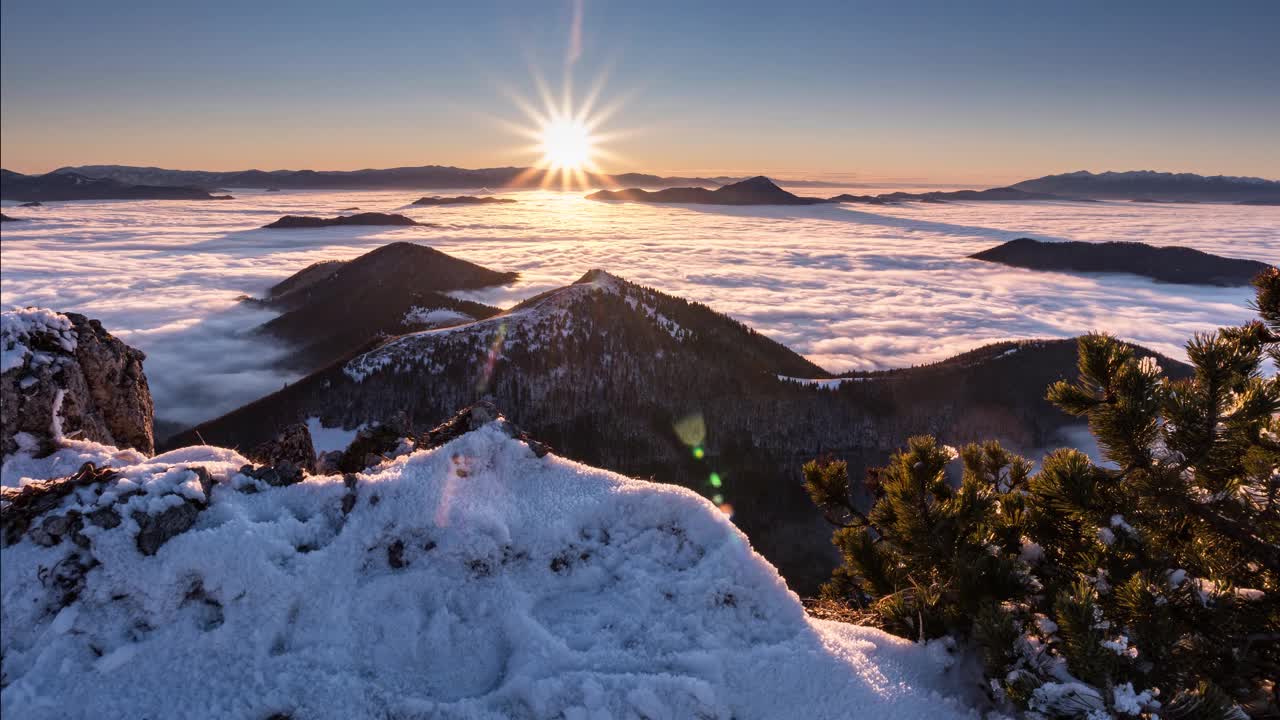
point(946, 91)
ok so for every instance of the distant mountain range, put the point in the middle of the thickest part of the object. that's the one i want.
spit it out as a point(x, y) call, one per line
point(129, 182)
point(616, 374)
point(425, 177)
point(1146, 184)
point(761, 190)
point(1002, 194)
point(1166, 264)
point(75, 186)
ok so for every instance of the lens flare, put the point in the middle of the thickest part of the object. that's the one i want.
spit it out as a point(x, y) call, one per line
point(566, 145)
point(568, 140)
point(491, 360)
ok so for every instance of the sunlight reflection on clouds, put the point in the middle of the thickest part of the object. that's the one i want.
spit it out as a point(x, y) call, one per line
point(850, 287)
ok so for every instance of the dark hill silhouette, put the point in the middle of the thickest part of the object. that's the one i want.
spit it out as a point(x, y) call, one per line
point(289, 222)
point(866, 199)
point(622, 376)
point(1154, 186)
point(1166, 264)
point(758, 190)
point(330, 308)
point(463, 200)
point(73, 186)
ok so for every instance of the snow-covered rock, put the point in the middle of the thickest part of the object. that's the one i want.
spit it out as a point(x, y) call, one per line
point(65, 376)
point(474, 580)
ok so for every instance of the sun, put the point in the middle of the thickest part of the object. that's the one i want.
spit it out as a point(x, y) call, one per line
point(566, 144)
point(569, 139)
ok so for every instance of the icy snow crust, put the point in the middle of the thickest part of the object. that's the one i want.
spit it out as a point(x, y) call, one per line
point(19, 325)
point(471, 581)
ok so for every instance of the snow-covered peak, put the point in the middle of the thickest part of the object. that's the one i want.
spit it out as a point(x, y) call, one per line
point(533, 324)
point(475, 580)
point(603, 280)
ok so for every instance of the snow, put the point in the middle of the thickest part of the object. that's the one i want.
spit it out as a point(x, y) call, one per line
point(1120, 646)
point(824, 383)
point(470, 581)
point(20, 325)
point(435, 317)
point(530, 327)
point(1118, 521)
point(327, 439)
point(1031, 552)
point(1071, 698)
point(21, 466)
point(1133, 703)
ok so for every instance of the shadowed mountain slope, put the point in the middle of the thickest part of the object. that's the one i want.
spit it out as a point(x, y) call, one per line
point(622, 376)
point(332, 307)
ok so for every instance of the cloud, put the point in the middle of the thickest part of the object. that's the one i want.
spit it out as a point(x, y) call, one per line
point(848, 288)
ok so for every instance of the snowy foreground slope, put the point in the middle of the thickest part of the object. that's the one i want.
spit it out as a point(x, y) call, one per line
point(474, 580)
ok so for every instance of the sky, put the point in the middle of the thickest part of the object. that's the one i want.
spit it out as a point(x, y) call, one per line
point(986, 91)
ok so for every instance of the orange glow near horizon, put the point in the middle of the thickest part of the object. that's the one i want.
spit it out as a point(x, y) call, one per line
point(567, 137)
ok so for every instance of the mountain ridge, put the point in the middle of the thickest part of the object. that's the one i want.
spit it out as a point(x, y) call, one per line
point(329, 308)
point(1149, 184)
point(631, 379)
point(57, 186)
point(425, 177)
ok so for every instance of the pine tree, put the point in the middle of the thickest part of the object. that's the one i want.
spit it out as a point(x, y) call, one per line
point(1145, 585)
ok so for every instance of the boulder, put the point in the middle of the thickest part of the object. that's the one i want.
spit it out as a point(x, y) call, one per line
point(291, 445)
point(63, 375)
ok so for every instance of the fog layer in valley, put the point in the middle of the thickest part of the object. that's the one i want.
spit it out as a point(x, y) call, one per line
point(848, 286)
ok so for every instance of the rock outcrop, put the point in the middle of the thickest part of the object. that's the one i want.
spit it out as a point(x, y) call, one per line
point(291, 448)
point(66, 376)
point(473, 580)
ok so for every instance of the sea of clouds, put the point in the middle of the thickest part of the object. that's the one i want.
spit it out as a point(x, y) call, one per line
point(848, 286)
